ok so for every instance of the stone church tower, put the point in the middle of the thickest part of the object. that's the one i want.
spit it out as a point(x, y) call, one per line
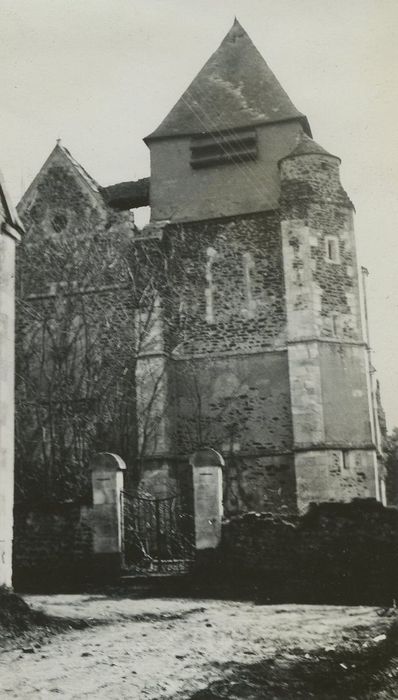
point(259, 349)
point(232, 320)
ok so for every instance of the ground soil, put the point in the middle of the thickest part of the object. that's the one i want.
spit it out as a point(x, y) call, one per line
point(159, 648)
point(19, 622)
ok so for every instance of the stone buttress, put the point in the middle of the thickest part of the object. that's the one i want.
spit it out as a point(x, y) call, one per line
point(333, 422)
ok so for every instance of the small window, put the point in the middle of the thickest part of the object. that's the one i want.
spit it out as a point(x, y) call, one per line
point(332, 249)
point(59, 222)
point(346, 459)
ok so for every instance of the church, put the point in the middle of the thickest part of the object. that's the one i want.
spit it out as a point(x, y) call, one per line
point(232, 320)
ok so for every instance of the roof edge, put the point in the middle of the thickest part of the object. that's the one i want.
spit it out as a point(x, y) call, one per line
point(291, 156)
point(263, 122)
point(80, 171)
point(306, 146)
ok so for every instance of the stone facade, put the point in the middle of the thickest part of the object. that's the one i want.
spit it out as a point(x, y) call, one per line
point(244, 295)
point(267, 361)
point(75, 330)
point(328, 362)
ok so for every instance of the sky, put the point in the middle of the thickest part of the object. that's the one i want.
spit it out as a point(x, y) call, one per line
point(102, 74)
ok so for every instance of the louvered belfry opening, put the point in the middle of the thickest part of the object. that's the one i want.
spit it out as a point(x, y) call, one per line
point(223, 147)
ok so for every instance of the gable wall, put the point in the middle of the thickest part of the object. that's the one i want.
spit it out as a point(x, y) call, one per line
point(75, 328)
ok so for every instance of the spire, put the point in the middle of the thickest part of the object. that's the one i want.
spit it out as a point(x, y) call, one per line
point(235, 88)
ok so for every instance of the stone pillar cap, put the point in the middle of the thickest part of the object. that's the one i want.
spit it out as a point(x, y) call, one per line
point(206, 457)
point(107, 460)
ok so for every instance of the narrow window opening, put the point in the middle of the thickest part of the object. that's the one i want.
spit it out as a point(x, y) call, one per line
point(332, 250)
point(59, 222)
point(209, 291)
point(248, 268)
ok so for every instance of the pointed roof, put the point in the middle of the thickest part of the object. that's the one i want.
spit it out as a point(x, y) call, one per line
point(306, 147)
point(58, 154)
point(234, 89)
point(121, 196)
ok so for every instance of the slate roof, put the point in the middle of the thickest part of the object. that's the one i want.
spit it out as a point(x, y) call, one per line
point(127, 195)
point(234, 89)
point(307, 146)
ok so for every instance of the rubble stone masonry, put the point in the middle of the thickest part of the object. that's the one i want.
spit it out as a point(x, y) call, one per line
point(335, 455)
point(267, 361)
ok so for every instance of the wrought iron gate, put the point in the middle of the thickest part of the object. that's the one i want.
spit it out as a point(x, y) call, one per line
point(157, 535)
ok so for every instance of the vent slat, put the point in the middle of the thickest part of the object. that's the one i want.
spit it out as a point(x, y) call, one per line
point(219, 149)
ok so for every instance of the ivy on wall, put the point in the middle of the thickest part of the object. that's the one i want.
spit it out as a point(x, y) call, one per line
point(75, 383)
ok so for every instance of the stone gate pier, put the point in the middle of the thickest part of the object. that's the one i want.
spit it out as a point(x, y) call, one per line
point(107, 473)
point(207, 467)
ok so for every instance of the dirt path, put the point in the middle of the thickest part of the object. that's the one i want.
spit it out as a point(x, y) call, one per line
point(167, 648)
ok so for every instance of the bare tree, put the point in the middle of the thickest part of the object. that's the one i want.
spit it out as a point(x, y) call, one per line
point(75, 384)
point(101, 318)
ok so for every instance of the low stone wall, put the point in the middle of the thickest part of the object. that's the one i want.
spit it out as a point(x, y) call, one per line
point(52, 546)
point(335, 553)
